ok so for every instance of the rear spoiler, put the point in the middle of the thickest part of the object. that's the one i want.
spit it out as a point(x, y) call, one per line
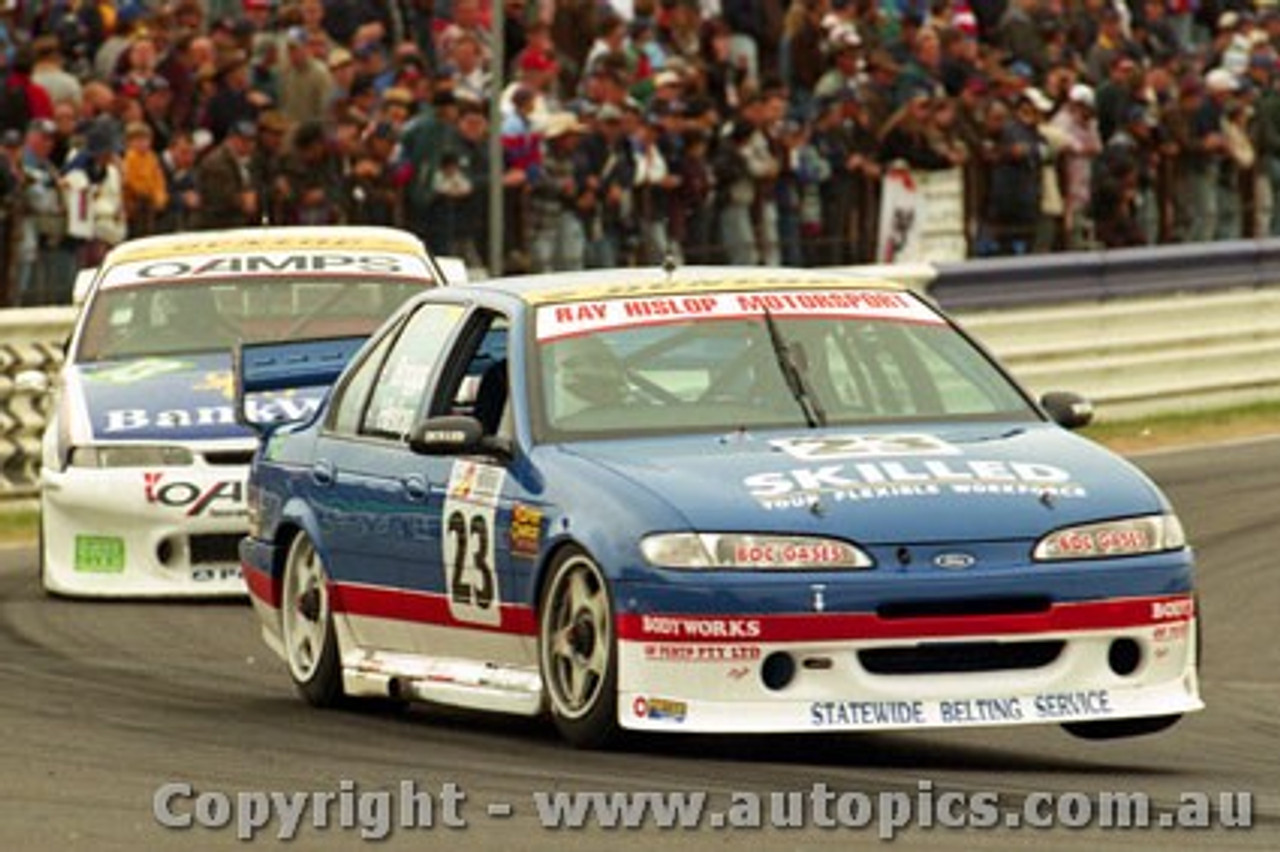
point(272, 367)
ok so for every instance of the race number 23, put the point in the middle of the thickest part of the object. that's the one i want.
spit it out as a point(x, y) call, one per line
point(468, 546)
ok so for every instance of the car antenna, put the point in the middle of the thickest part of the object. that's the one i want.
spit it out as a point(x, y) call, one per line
point(669, 264)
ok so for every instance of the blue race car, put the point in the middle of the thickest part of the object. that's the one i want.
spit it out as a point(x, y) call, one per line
point(714, 500)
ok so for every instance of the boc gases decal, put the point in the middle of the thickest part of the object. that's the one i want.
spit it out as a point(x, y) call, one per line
point(169, 399)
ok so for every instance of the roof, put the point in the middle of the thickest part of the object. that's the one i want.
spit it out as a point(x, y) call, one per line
point(345, 237)
point(607, 283)
point(265, 252)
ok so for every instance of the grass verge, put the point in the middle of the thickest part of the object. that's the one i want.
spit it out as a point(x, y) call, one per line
point(1163, 431)
point(18, 525)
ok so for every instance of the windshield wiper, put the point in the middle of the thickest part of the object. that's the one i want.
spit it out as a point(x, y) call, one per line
point(794, 373)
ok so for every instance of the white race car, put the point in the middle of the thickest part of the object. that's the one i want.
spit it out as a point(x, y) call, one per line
point(142, 489)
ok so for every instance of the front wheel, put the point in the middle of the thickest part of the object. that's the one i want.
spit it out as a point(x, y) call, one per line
point(311, 648)
point(1115, 729)
point(577, 650)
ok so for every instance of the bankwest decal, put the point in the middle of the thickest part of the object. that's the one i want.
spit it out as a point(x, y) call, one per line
point(264, 263)
point(567, 320)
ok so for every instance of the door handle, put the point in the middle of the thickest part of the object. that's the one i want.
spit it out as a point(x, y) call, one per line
point(415, 487)
point(322, 473)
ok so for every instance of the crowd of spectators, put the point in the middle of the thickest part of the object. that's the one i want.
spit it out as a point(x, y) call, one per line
point(742, 131)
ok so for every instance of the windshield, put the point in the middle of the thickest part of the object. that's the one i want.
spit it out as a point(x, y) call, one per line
point(187, 317)
point(615, 371)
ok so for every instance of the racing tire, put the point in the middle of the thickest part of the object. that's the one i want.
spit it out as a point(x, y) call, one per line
point(306, 626)
point(1115, 729)
point(577, 650)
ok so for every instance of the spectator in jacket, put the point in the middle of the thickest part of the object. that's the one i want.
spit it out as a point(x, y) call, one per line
point(224, 180)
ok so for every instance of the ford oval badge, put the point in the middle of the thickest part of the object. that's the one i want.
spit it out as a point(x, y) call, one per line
point(954, 561)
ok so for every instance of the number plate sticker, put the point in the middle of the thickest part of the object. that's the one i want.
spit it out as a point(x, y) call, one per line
point(470, 511)
point(99, 554)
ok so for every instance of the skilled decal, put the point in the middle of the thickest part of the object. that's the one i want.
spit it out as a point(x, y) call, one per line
point(828, 447)
point(525, 537)
point(470, 571)
point(586, 317)
point(197, 500)
point(659, 709)
point(874, 480)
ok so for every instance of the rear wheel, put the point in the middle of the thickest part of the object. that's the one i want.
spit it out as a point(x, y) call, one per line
point(577, 650)
point(311, 647)
point(1115, 729)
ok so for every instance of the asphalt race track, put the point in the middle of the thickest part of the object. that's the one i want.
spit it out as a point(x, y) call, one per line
point(101, 704)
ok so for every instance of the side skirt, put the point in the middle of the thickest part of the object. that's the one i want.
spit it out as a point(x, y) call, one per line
point(461, 683)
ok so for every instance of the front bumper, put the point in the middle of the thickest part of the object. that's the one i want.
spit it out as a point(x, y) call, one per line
point(685, 664)
point(134, 532)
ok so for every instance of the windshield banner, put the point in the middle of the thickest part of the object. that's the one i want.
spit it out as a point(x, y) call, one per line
point(575, 318)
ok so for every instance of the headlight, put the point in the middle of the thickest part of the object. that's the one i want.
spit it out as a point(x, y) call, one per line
point(744, 550)
point(130, 455)
point(1121, 537)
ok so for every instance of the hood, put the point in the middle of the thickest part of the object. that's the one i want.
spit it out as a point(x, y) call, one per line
point(180, 398)
point(983, 482)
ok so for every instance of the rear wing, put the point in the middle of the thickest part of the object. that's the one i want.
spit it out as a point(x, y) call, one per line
point(259, 368)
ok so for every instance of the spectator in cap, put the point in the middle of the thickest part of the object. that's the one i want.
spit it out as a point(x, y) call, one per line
point(1019, 34)
point(21, 99)
point(803, 62)
point(312, 20)
point(145, 191)
point(232, 101)
point(1263, 71)
point(1113, 97)
point(1083, 143)
point(607, 208)
point(1237, 163)
point(267, 163)
point(315, 192)
point(94, 195)
point(178, 161)
point(736, 194)
point(1014, 191)
point(844, 74)
point(306, 89)
point(1207, 140)
point(180, 66)
point(467, 20)
point(1133, 149)
point(1110, 44)
point(557, 240)
point(536, 73)
point(224, 181)
point(653, 183)
point(157, 111)
point(465, 68)
point(49, 72)
point(46, 263)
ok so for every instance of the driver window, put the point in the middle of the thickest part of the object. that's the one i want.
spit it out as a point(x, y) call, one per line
point(481, 390)
point(400, 388)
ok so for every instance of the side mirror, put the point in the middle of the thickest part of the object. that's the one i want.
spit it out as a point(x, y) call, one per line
point(1068, 410)
point(455, 435)
point(32, 382)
